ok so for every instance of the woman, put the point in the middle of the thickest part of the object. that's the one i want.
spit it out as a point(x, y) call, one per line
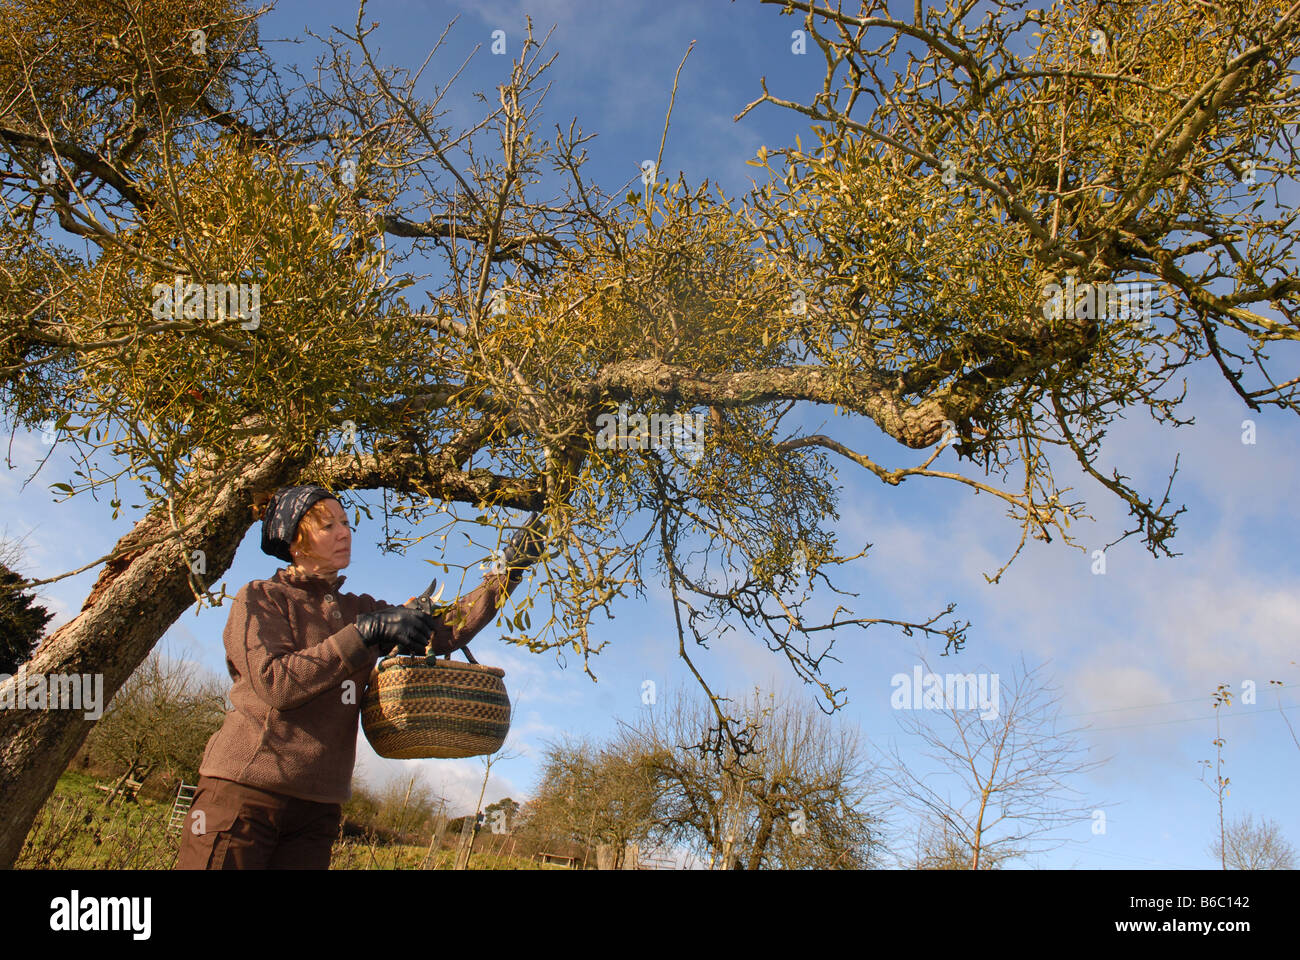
point(299, 651)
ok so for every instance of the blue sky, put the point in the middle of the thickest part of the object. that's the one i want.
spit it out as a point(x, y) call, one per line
point(1136, 652)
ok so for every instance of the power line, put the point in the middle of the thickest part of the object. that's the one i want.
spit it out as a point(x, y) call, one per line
point(1166, 703)
point(1143, 861)
point(1126, 726)
point(1159, 723)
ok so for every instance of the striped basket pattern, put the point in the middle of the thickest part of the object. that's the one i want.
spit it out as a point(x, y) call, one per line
point(422, 708)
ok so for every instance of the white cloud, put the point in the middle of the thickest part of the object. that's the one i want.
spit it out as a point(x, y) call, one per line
point(459, 781)
point(1104, 685)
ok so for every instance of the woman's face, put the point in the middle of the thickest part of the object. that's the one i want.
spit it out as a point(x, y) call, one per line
point(330, 547)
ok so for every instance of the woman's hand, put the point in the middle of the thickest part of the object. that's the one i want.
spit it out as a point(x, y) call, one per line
point(528, 544)
point(408, 629)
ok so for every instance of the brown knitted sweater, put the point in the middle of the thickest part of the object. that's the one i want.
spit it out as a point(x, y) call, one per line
point(299, 668)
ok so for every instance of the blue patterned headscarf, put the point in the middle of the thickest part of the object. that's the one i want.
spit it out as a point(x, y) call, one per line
point(283, 512)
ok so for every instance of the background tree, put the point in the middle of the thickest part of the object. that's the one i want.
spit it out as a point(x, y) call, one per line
point(939, 848)
point(166, 153)
point(406, 806)
point(800, 798)
point(363, 807)
point(592, 795)
point(159, 720)
point(1247, 845)
point(509, 811)
point(22, 619)
point(1006, 783)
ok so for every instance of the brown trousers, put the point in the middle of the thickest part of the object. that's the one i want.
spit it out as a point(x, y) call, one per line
point(232, 826)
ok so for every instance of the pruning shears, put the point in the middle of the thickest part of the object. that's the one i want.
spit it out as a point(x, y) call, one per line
point(427, 602)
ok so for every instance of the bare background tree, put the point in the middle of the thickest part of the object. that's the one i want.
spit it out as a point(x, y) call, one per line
point(1247, 845)
point(159, 721)
point(802, 798)
point(599, 797)
point(937, 847)
point(1005, 778)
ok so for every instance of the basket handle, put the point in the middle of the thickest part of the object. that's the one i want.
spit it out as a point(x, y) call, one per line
point(432, 658)
point(465, 650)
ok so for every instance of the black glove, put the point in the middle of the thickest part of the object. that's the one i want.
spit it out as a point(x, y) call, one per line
point(525, 547)
point(408, 629)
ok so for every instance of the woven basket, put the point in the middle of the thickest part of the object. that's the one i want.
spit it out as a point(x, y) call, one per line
point(424, 708)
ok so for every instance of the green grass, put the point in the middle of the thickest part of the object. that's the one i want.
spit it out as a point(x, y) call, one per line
point(74, 830)
point(354, 855)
